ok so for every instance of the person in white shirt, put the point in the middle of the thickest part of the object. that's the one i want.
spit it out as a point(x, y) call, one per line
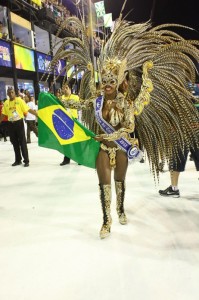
point(30, 118)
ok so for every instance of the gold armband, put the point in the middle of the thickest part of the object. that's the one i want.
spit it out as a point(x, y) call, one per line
point(144, 96)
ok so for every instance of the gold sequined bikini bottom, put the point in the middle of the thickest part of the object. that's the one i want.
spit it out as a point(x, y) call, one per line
point(111, 151)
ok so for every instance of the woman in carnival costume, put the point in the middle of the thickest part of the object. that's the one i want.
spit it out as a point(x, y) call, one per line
point(159, 63)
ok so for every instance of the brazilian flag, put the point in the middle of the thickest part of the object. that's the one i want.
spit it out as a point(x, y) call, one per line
point(60, 131)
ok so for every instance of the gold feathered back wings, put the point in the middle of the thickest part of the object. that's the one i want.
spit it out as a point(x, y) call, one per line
point(159, 63)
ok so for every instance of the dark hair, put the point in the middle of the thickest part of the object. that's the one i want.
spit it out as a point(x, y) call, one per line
point(10, 88)
point(67, 84)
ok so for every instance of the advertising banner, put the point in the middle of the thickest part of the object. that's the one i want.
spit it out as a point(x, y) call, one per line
point(5, 57)
point(24, 58)
point(59, 67)
point(43, 61)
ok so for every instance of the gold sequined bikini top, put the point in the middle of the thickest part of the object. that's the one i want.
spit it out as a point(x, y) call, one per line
point(116, 117)
point(116, 112)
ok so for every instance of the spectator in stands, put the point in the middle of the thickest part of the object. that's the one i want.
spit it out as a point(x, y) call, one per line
point(22, 94)
point(3, 31)
point(58, 94)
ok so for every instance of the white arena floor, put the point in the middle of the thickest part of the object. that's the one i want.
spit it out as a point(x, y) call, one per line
point(50, 217)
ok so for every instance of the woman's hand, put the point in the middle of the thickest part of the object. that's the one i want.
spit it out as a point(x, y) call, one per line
point(99, 138)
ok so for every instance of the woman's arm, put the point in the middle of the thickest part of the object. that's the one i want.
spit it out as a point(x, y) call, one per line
point(79, 105)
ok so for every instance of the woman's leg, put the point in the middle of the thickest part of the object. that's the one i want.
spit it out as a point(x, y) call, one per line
point(103, 168)
point(119, 176)
point(121, 166)
point(104, 175)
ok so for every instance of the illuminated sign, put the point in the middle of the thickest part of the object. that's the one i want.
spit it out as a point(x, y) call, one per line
point(43, 62)
point(5, 57)
point(24, 58)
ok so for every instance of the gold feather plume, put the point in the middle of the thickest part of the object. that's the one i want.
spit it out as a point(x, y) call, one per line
point(79, 56)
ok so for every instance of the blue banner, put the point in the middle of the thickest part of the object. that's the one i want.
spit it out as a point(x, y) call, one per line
point(5, 57)
point(59, 67)
point(43, 61)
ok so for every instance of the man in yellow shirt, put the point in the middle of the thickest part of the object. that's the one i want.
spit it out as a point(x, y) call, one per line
point(67, 96)
point(15, 109)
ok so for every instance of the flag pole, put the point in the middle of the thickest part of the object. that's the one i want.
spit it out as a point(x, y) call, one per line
point(90, 19)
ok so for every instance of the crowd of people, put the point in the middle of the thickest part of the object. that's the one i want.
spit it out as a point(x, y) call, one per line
point(3, 31)
point(64, 94)
point(110, 158)
point(61, 13)
point(130, 98)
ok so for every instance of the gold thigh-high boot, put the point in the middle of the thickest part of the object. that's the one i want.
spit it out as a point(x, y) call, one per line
point(105, 197)
point(120, 192)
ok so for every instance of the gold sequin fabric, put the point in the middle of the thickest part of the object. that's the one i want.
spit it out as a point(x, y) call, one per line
point(105, 197)
point(111, 151)
point(120, 193)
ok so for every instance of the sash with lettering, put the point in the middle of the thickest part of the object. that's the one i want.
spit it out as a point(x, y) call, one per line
point(133, 152)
